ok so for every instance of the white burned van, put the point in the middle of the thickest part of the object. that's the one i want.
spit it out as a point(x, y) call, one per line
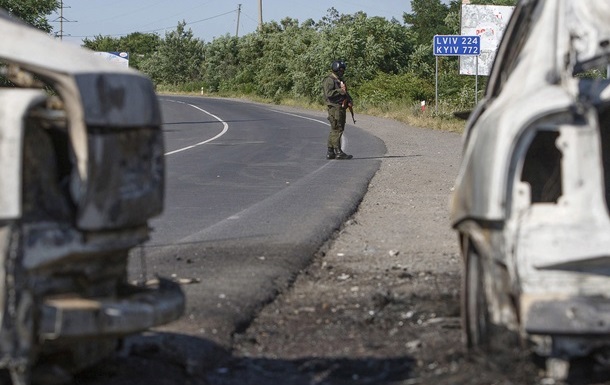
point(82, 172)
point(532, 198)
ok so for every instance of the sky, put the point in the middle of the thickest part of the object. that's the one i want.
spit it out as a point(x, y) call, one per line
point(207, 18)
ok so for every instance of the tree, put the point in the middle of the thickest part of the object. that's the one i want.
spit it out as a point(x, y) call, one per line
point(220, 68)
point(494, 2)
point(178, 58)
point(138, 45)
point(428, 19)
point(386, 59)
point(102, 43)
point(33, 12)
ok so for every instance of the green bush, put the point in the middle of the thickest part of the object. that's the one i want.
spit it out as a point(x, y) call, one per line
point(386, 87)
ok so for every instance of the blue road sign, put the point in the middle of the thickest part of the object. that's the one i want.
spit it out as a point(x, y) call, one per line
point(457, 45)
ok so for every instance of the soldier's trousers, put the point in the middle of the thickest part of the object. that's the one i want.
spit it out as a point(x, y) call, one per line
point(336, 117)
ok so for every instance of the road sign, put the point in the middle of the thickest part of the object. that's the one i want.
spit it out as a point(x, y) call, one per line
point(457, 45)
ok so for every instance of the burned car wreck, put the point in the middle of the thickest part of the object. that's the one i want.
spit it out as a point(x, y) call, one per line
point(532, 199)
point(82, 173)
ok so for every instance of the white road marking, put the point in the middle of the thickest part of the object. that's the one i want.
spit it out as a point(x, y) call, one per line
point(238, 216)
point(224, 130)
point(299, 116)
point(343, 137)
point(226, 125)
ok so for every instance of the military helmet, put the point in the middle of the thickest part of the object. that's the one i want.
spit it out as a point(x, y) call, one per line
point(337, 65)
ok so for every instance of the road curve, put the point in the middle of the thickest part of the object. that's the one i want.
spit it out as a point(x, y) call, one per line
point(250, 198)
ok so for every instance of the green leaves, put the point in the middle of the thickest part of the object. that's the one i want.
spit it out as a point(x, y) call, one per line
point(427, 18)
point(387, 60)
point(404, 87)
point(494, 2)
point(288, 59)
point(33, 12)
point(139, 45)
point(178, 58)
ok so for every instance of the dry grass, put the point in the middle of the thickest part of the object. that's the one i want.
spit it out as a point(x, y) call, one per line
point(414, 116)
point(410, 114)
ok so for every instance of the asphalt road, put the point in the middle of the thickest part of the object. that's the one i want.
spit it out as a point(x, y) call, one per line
point(250, 198)
point(379, 304)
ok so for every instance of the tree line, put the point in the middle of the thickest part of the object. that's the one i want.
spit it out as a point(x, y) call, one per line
point(388, 60)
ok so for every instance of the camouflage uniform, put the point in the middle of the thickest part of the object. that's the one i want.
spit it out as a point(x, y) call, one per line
point(337, 101)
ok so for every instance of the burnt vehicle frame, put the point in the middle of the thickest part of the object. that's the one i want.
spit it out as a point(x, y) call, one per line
point(532, 198)
point(82, 170)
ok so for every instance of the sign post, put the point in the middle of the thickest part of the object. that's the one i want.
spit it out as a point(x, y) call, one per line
point(455, 45)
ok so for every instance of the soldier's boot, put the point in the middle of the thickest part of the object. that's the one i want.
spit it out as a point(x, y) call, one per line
point(339, 154)
point(330, 154)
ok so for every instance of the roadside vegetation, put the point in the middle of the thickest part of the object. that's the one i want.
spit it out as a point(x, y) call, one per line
point(391, 68)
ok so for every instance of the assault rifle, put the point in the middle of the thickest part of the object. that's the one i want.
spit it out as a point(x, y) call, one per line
point(347, 102)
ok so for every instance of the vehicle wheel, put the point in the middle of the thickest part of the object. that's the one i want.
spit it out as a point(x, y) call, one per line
point(475, 315)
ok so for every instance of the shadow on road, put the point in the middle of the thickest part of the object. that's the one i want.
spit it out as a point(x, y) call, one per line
point(165, 358)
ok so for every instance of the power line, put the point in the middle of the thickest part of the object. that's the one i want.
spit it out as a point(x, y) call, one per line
point(164, 28)
point(260, 15)
point(209, 18)
point(175, 15)
point(238, 14)
point(61, 19)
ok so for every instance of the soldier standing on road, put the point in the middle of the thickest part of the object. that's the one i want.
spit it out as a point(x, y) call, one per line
point(338, 101)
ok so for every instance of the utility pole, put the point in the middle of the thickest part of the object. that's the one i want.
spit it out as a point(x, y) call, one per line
point(238, 14)
point(61, 20)
point(260, 15)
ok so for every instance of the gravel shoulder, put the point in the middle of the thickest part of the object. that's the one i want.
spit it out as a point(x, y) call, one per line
point(379, 304)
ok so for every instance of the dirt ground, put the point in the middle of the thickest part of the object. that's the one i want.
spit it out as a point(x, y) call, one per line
point(380, 303)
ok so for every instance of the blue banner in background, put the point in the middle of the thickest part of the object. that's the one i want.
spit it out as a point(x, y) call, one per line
point(119, 58)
